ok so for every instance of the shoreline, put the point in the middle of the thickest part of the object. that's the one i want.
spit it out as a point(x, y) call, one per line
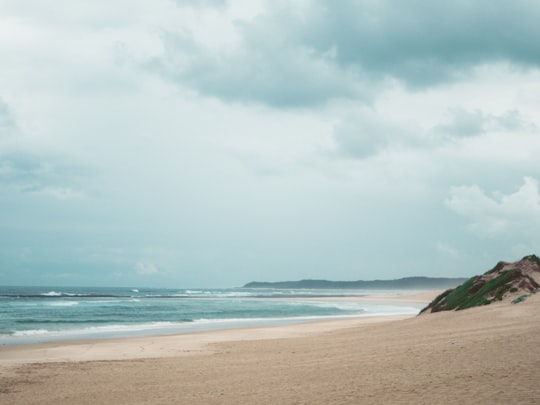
point(486, 354)
point(160, 346)
point(157, 345)
point(386, 304)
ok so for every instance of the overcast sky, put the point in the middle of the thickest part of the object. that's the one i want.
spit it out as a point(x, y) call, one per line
point(184, 143)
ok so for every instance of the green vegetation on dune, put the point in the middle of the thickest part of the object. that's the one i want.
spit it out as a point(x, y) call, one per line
point(533, 258)
point(494, 288)
point(469, 295)
point(519, 299)
point(494, 285)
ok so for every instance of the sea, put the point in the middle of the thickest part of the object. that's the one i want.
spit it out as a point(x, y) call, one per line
point(43, 314)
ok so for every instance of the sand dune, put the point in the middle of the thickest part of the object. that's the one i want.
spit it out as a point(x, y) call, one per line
point(489, 354)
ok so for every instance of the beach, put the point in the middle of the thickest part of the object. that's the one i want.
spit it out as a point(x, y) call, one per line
point(487, 354)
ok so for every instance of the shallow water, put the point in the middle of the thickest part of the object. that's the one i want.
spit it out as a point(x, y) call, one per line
point(39, 314)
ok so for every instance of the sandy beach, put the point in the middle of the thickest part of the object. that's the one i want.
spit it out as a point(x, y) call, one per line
point(482, 355)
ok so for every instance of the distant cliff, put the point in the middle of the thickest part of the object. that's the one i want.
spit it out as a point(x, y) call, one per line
point(420, 283)
point(505, 281)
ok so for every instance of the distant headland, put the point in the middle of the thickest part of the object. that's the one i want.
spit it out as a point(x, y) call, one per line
point(410, 283)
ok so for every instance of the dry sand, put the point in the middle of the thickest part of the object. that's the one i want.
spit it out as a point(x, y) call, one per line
point(482, 355)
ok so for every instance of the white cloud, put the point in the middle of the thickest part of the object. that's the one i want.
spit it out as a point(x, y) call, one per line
point(447, 250)
point(464, 123)
point(7, 123)
point(200, 3)
point(146, 269)
point(58, 193)
point(363, 134)
point(498, 214)
point(29, 175)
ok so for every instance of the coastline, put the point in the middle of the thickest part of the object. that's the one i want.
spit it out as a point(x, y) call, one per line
point(76, 313)
point(148, 318)
point(486, 354)
point(417, 297)
point(160, 345)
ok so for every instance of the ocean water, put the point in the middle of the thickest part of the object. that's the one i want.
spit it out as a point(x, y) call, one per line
point(40, 314)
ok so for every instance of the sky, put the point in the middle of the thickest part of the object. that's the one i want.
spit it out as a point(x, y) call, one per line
point(185, 143)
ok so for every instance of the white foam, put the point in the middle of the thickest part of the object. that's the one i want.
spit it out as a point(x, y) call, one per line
point(52, 294)
point(63, 304)
point(346, 306)
point(61, 294)
point(33, 332)
point(107, 329)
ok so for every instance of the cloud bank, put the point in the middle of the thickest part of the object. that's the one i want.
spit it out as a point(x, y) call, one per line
point(210, 143)
point(307, 53)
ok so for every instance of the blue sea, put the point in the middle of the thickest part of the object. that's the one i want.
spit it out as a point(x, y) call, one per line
point(41, 314)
